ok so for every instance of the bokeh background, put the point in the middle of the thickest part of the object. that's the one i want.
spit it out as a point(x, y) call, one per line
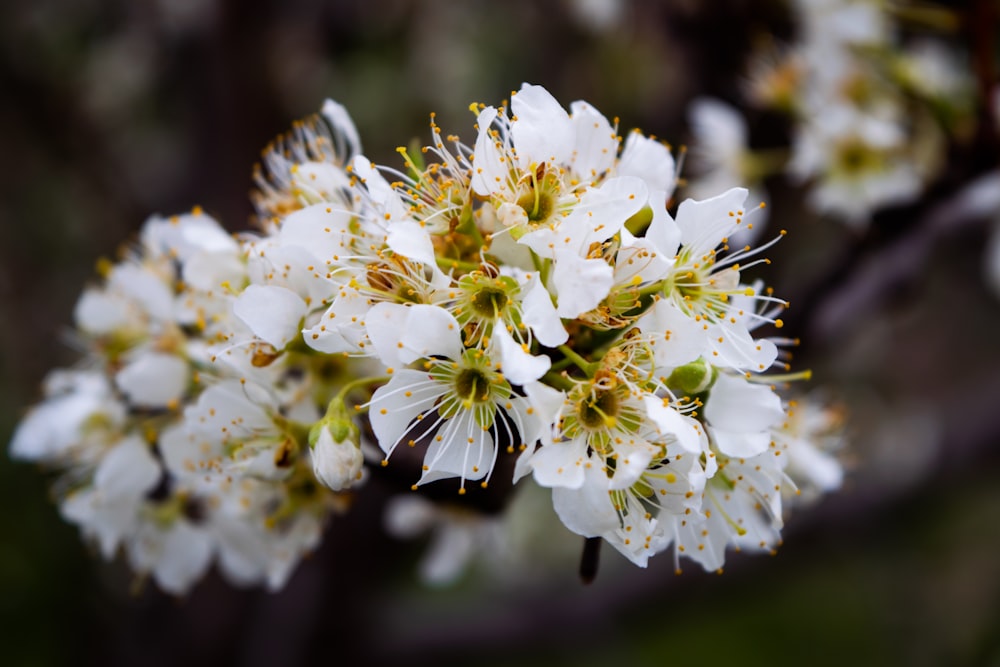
point(114, 110)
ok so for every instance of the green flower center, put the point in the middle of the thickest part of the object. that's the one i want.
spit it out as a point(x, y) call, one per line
point(537, 205)
point(599, 411)
point(489, 301)
point(472, 385)
point(856, 156)
point(539, 193)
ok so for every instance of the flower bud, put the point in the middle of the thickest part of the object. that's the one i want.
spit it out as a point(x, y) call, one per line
point(692, 378)
point(336, 456)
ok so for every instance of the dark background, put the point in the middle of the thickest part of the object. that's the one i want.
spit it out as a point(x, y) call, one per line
point(112, 111)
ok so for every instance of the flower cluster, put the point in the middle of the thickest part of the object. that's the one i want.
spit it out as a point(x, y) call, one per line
point(871, 109)
point(522, 308)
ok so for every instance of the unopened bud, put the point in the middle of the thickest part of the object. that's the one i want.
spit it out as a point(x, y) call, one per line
point(692, 378)
point(336, 456)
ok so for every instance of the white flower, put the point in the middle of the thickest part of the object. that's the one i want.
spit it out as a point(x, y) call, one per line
point(810, 437)
point(667, 493)
point(233, 428)
point(177, 554)
point(307, 165)
point(704, 285)
point(857, 162)
point(109, 509)
point(460, 400)
point(555, 179)
point(80, 413)
point(458, 535)
point(136, 300)
point(622, 464)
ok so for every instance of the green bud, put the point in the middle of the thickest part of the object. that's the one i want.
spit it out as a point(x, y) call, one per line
point(693, 378)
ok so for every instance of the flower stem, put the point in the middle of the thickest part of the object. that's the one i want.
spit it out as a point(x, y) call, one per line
point(581, 363)
point(342, 394)
point(557, 380)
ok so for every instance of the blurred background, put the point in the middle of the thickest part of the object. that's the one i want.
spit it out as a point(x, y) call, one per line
point(113, 110)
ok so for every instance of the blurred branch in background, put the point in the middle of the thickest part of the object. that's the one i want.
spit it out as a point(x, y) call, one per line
point(113, 111)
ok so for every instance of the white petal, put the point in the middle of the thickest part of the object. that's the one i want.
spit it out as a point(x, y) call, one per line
point(587, 510)
point(273, 313)
point(186, 235)
point(320, 229)
point(820, 469)
point(461, 448)
point(519, 367)
point(450, 551)
point(226, 410)
point(336, 464)
point(546, 402)
point(402, 334)
point(154, 379)
point(208, 270)
point(671, 422)
point(489, 173)
point(538, 313)
point(407, 516)
point(107, 524)
point(743, 444)
point(633, 457)
point(145, 288)
point(340, 329)
point(187, 552)
point(676, 338)
point(51, 428)
point(127, 471)
point(343, 128)
point(561, 464)
point(242, 552)
point(649, 160)
point(542, 131)
point(720, 132)
point(98, 312)
point(596, 141)
point(705, 541)
point(581, 283)
point(732, 346)
point(293, 267)
point(184, 454)
point(320, 182)
point(638, 261)
point(662, 232)
point(705, 223)
point(410, 240)
point(392, 410)
point(735, 404)
point(381, 192)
